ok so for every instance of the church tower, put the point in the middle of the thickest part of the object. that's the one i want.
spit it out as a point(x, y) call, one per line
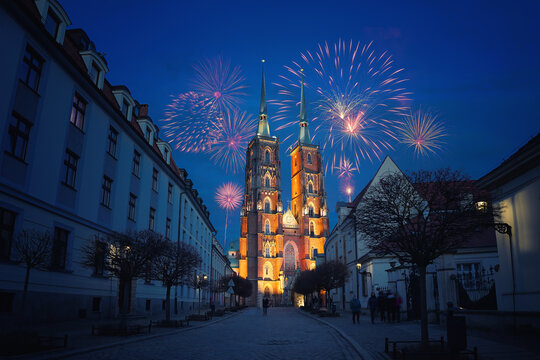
point(261, 240)
point(308, 205)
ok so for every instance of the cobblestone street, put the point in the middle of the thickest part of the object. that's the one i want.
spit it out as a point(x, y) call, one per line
point(283, 334)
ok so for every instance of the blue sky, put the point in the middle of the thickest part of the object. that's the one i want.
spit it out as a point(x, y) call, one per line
point(474, 63)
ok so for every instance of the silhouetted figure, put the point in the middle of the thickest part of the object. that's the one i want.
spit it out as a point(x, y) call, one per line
point(355, 308)
point(390, 307)
point(399, 301)
point(372, 305)
point(381, 305)
point(265, 306)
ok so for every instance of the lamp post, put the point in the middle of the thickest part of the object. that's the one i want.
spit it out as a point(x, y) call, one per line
point(358, 268)
point(504, 228)
point(201, 282)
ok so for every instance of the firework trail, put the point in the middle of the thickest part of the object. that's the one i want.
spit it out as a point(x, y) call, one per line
point(358, 95)
point(229, 197)
point(220, 84)
point(423, 132)
point(346, 185)
point(229, 137)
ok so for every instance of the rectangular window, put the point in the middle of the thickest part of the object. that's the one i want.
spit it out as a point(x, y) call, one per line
point(132, 203)
point(7, 226)
point(151, 218)
point(31, 68)
point(168, 228)
point(94, 73)
point(113, 141)
point(77, 111)
point(96, 304)
point(52, 23)
point(70, 162)
point(59, 249)
point(19, 134)
point(106, 191)
point(170, 193)
point(155, 174)
point(99, 259)
point(136, 163)
point(125, 108)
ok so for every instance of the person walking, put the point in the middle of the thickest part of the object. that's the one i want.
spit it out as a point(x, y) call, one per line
point(355, 308)
point(390, 307)
point(399, 301)
point(381, 305)
point(372, 305)
point(265, 306)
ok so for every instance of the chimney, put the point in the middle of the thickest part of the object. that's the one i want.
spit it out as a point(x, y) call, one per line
point(143, 110)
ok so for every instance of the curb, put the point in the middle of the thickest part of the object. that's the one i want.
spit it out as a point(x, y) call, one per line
point(359, 350)
point(120, 343)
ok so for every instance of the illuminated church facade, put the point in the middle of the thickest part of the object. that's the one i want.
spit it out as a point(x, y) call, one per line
point(274, 246)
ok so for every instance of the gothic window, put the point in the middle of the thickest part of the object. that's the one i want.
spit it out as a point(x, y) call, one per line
point(311, 212)
point(267, 227)
point(310, 187)
point(311, 228)
point(267, 251)
point(267, 205)
point(267, 181)
point(268, 273)
point(290, 258)
point(267, 156)
point(309, 159)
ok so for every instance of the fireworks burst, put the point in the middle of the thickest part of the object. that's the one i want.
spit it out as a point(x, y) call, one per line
point(229, 197)
point(345, 169)
point(220, 84)
point(229, 137)
point(358, 95)
point(187, 121)
point(423, 132)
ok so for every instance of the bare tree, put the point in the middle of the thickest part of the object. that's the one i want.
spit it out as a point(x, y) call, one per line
point(33, 248)
point(127, 256)
point(175, 265)
point(421, 217)
point(331, 275)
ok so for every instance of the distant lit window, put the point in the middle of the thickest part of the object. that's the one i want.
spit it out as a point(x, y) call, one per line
point(481, 206)
point(78, 111)
point(31, 68)
point(52, 24)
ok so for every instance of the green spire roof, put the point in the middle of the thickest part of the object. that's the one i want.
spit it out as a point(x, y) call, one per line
point(303, 137)
point(263, 128)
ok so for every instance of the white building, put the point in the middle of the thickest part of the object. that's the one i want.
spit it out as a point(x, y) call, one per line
point(470, 268)
point(221, 267)
point(515, 186)
point(80, 158)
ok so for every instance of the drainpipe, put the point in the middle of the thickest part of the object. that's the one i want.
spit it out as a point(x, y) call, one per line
point(177, 246)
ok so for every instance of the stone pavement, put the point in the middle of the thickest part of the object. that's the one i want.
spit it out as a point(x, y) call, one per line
point(283, 334)
point(370, 337)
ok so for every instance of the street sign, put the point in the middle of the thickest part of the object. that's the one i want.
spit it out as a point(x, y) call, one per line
point(231, 283)
point(230, 291)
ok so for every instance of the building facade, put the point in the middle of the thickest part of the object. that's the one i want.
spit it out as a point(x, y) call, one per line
point(81, 158)
point(221, 267)
point(274, 246)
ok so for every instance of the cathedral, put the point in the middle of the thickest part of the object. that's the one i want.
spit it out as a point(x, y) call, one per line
point(274, 246)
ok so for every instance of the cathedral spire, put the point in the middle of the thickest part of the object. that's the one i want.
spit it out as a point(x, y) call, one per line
point(303, 137)
point(263, 128)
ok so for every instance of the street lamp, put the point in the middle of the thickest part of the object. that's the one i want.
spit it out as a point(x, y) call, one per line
point(201, 282)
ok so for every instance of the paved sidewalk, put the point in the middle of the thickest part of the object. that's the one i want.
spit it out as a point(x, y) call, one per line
point(370, 337)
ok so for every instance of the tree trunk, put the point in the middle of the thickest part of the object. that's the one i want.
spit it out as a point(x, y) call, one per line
point(25, 291)
point(168, 304)
point(423, 307)
point(125, 295)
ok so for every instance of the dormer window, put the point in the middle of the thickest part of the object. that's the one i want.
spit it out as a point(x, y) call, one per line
point(53, 18)
point(125, 108)
point(94, 73)
point(165, 149)
point(52, 23)
point(125, 101)
point(148, 134)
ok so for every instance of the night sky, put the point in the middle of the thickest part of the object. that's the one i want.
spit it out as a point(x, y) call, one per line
point(475, 65)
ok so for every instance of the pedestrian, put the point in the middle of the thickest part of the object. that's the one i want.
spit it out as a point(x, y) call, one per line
point(265, 306)
point(372, 305)
point(355, 308)
point(213, 308)
point(399, 301)
point(381, 305)
point(390, 307)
